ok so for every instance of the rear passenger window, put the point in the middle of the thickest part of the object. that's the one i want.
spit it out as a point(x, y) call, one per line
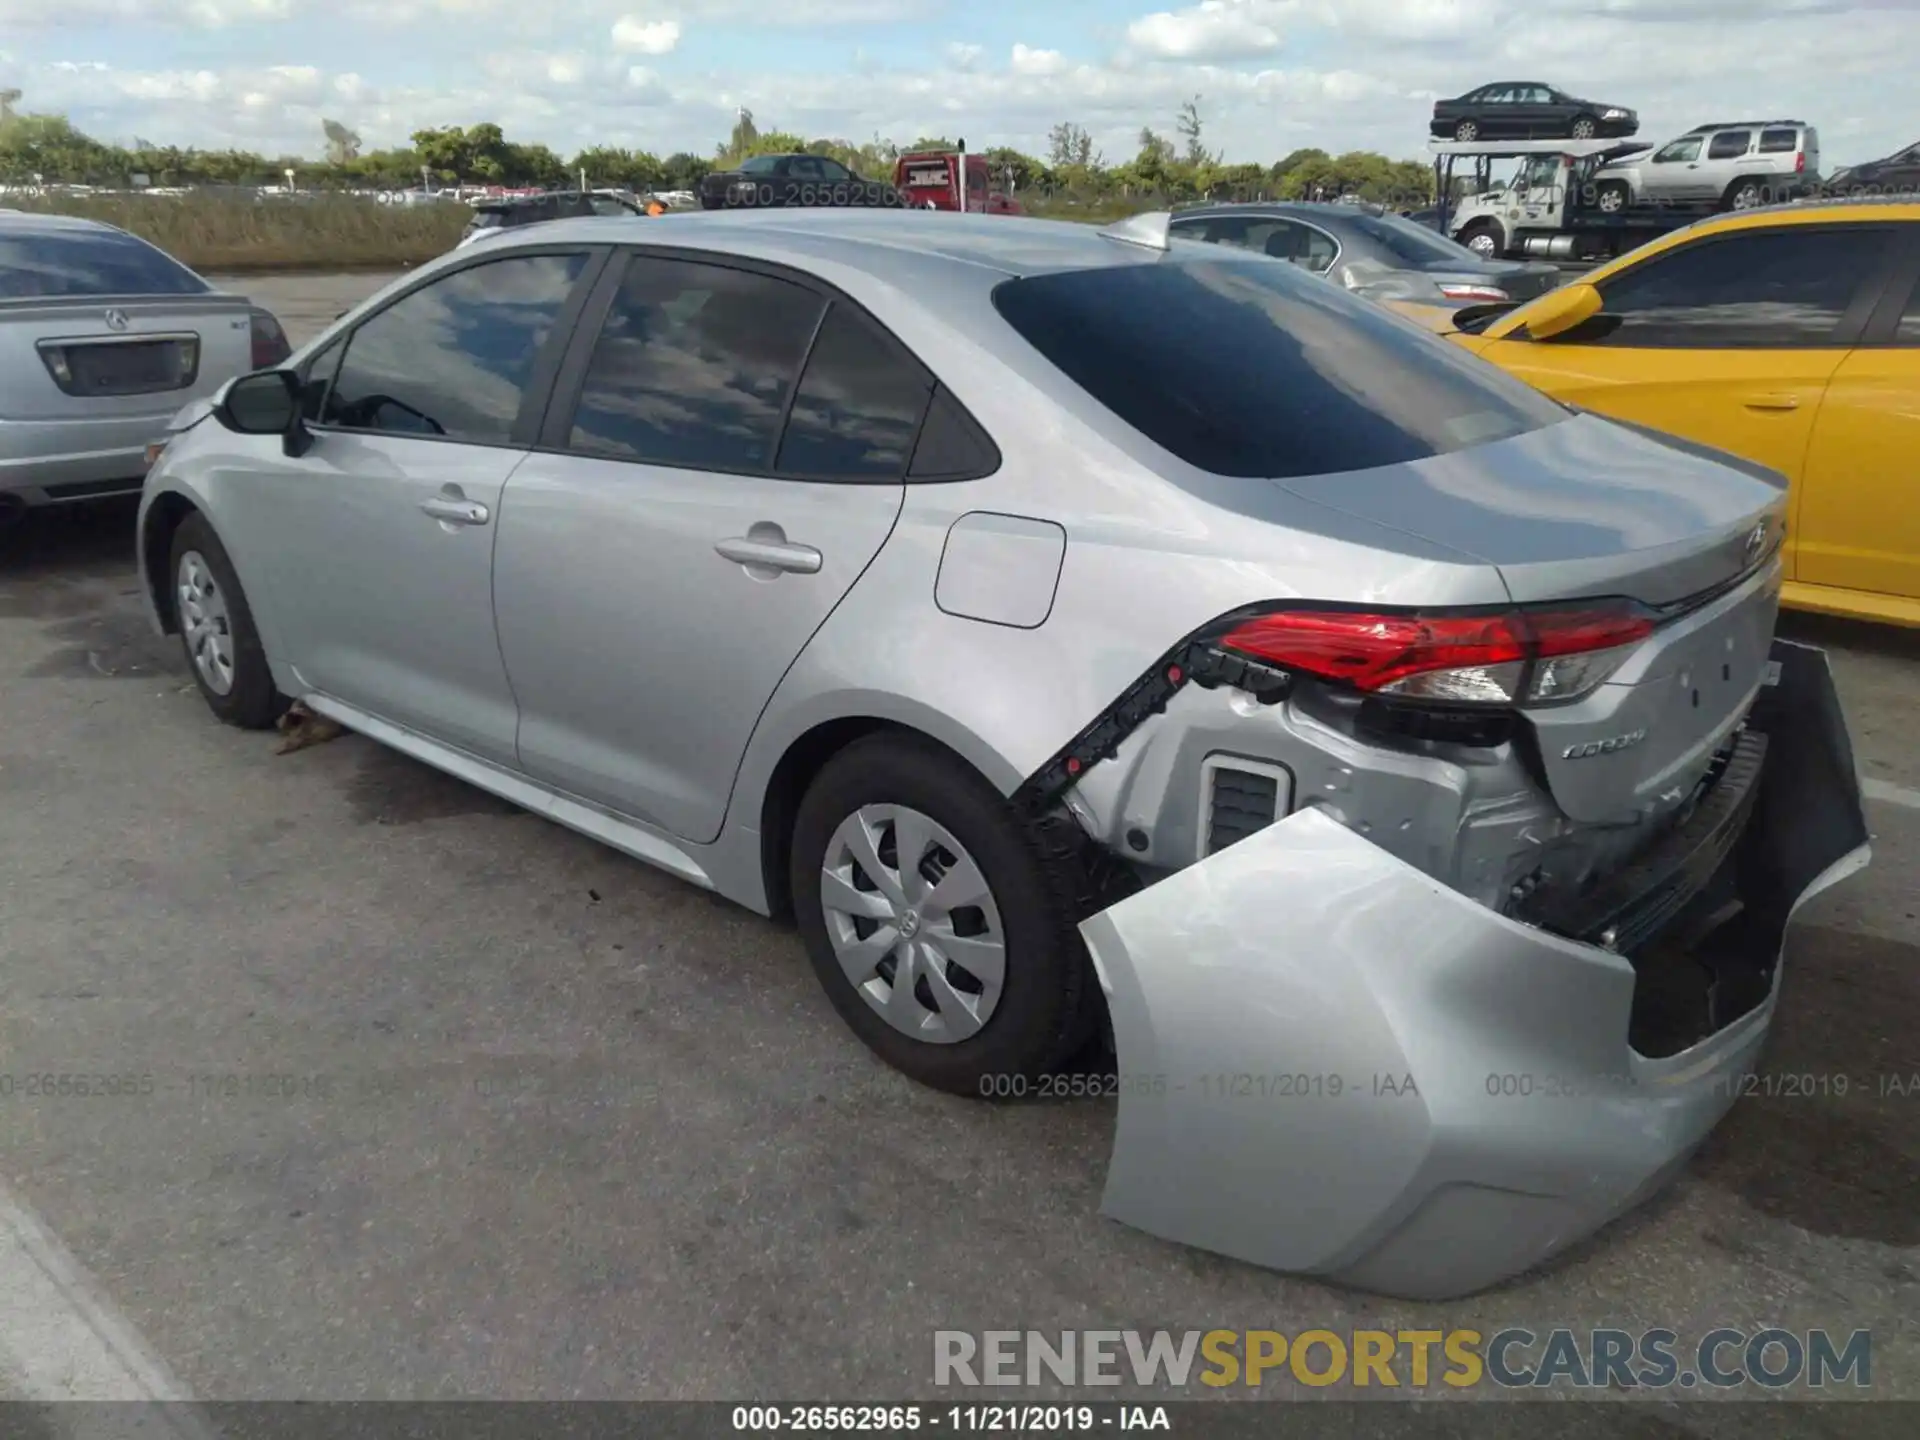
point(858, 407)
point(453, 359)
point(1729, 144)
point(693, 366)
point(1779, 142)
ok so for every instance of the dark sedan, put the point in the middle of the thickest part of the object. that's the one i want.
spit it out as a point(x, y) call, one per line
point(1528, 110)
point(776, 181)
point(1897, 174)
point(1369, 251)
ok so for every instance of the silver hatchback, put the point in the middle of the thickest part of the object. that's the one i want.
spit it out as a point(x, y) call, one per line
point(1087, 639)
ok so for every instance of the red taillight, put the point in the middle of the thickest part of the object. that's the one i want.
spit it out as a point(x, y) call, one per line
point(1490, 294)
point(1800, 163)
point(270, 345)
point(1555, 653)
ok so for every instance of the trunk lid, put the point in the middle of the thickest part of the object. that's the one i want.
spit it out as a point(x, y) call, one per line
point(92, 357)
point(1590, 508)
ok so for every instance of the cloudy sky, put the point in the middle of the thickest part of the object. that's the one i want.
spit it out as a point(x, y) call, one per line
point(1272, 75)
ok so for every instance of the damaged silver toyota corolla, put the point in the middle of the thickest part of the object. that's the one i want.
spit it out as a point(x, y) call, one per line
point(1083, 635)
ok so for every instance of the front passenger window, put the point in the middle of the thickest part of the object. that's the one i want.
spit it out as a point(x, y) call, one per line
point(454, 358)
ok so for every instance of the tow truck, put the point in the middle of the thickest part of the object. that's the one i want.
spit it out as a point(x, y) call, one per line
point(1555, 206)
point(930, 180)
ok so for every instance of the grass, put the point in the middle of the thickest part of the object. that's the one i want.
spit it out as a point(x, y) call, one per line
point(241, 234)
point(219, 234)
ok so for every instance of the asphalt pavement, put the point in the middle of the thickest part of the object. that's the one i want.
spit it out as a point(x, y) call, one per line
point(397, 1092)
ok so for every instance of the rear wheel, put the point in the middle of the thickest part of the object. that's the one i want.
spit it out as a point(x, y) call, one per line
point(1467, 131)
point(216, 630)
point(1745, 193)
point(1584, 127)
point(938, 927)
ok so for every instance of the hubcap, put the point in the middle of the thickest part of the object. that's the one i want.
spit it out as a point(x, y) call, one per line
point(1481, 245)
point(204, 623)
point(1746, 198)
point(913, 923)
point(1466, 132)
point(1583, 130)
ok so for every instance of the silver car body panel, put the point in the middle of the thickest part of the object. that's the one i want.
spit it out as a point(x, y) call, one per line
point(1301, 1088)
point(603, 662)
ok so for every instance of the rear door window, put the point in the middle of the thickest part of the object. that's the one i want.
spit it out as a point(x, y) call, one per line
point(48, 263)
point(1729, 144)
point(859, 405)
point(693, 366)
point(1269, 372)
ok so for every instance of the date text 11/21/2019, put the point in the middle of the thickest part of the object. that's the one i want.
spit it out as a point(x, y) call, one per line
point(895, 1419)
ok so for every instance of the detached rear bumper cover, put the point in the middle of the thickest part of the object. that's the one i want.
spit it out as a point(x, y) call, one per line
point(1333, 1064)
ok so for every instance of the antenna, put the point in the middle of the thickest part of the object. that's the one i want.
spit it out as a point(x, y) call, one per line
point(1149, 230)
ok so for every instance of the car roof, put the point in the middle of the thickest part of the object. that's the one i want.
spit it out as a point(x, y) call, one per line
point(888, 239)
point(1838, 211)
point(20, 221)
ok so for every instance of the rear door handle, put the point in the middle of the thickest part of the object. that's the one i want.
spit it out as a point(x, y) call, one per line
point(1773, 402)
point(455, 512)
point(771, 554)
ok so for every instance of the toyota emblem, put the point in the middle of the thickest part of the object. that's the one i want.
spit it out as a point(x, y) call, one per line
point(116, 319)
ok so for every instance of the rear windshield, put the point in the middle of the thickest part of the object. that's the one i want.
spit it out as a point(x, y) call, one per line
point(1255, 367)
point(1405, 240)
point(50, 263)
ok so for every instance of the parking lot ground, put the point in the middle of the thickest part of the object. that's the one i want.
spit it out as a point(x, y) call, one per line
point(417, 1096)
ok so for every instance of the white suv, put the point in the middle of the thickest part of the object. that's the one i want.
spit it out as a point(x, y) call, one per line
point(1736, 164)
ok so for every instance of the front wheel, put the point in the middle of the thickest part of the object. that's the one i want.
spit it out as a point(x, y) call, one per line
point(1612, 198)
point(940, 928)
point(1485, 239)
point(216, 630)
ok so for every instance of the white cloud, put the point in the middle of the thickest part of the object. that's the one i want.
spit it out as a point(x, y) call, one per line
point(965, 56)
point(1212, 30)
point(1037, 62)
point(645, 37)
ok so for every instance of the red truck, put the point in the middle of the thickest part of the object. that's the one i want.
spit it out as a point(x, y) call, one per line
point(930, 179)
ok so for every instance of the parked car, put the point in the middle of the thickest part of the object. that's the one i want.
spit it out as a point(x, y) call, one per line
point(1365, 249)
point(1528, 110)
point(773, 182)
point(1788, 335)
point(1898, 173)
point(102, 337)
point(1739, 166)
point(1089, 634)
point(494, 216)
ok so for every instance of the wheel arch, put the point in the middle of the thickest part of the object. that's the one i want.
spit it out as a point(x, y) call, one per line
point(162, 518)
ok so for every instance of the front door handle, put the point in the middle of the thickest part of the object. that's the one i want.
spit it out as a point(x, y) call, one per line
point(771, 555)
point(455, 512)
point(1773, 402)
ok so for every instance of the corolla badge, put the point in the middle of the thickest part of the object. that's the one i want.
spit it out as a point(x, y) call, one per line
point(116, 319)
point(1603, 747)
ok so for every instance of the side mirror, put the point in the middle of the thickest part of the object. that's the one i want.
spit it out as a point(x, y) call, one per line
point(1554, 313)
point(264, 403)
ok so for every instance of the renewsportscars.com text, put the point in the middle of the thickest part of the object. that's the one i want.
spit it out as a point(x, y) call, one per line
point(1720, 1359)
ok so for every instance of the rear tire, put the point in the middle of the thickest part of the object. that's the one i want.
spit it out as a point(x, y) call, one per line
point(217, 633)
point(1746, 193)
point(1584, 127)
point(1467, 131)
point(961, 1028)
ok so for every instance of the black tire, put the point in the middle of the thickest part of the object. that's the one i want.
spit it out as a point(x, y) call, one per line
point(251, 702)
point(1612, 197)
point(1050, 1005)
point(1746, 193)
point(1467, 131)
point(1488, 230)
point(1584, 127)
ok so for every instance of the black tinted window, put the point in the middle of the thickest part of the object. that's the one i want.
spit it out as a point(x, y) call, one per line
point(1244, 368)
point(1728, 144)
point(858, 406)
point(1777, 142)
point(1908, 332)
point(36, 262)
point(693, 366)
point(1782, 287)
point(454, 358)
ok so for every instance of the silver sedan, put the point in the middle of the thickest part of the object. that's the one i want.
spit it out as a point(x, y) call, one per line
point(1376, 758)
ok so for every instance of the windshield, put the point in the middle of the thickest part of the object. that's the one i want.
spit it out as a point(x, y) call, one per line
point(1269, 371)
point(1415, 244)
point(49, 263)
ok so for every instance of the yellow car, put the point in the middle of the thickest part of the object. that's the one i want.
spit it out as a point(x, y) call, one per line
point(1788, 335)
